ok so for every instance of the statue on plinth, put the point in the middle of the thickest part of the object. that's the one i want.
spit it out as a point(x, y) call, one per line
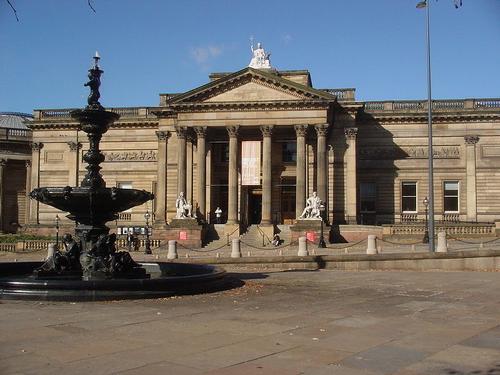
point(183, 208)
point(313, 208)
point(260, 59)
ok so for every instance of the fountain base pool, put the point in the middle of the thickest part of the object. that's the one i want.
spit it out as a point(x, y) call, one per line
point(166, 279)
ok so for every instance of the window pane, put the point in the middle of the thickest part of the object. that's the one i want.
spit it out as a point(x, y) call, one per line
point(409, 204)
point(450, 204)
point(409, 189)
point(450, 196)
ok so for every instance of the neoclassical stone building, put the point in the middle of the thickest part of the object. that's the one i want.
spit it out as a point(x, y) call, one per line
point(257, 142)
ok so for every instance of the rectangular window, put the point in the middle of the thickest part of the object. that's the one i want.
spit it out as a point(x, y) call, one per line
point(409, 197)
point(289, 152)
point(450, 196)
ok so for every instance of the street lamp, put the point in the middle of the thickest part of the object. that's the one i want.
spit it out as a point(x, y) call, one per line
point(321, 242)
point(148, 244)
point(427, 4)
point(57, 232)
point(426, 232)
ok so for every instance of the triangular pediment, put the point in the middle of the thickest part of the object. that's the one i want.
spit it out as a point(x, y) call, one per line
point(251, 85)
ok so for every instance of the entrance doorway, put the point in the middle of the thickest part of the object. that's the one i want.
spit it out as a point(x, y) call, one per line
point(254, 206)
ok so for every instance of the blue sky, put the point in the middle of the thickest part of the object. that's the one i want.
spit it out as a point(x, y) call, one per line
point(150, 47)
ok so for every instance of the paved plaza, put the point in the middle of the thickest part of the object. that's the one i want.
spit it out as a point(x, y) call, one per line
point(316, 322)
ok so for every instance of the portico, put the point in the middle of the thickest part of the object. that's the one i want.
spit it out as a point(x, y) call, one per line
point(289, 122)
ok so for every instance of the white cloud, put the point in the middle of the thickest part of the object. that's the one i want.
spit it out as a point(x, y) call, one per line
point(203, 55)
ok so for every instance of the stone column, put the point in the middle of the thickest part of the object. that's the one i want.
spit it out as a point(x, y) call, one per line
point(266, 174)
point(28, 190)
point(3, 163)
point(181, 158)
point(35, 179)
point(351, 190)
point(161, 183)
point(470, 157)
point(300, 182)
point(232, 204)
point(321, 170)
point(74, 148)
point(201, 178)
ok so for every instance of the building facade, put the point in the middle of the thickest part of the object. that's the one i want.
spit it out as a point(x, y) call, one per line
point(15, 164)
point(256, 143)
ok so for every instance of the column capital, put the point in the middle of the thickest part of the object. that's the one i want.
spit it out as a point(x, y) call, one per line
point(301, 130)
point(232, 131)
point(163, 135)
point(36, 146)
point(471, 139)
point(267, 130)
point(181, 131)
point(201, 131)
point(74, 146)
point(28, 163)
point(3, 162)
point(321, 129)
point(351, 133)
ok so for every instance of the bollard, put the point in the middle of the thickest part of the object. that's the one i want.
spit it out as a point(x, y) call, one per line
point(412, 247)
point(249, 254)
point(313, 252)
point(51, 250)
point(280, 252)
point(303, 247)
point(371, 246)
point(187, 255)
point(481, 245)
point(172, 249)
point(235, 248)
point(379, 249)
point(442, 246)
point(217, 255)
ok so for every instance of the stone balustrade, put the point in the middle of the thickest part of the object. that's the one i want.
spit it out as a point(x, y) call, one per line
point(14, 134)
point(453, 229)
point(342, 94)
point(437, 105)
point(64, 114)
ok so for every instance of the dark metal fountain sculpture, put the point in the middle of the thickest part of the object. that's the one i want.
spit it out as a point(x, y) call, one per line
point(92, 204)
point(90, 268)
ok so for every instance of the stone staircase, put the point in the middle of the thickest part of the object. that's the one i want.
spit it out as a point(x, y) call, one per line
point(253, 237)
point(285, 234)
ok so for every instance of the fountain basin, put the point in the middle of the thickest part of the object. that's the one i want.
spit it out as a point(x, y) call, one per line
point(91, 205)
point(167, 279)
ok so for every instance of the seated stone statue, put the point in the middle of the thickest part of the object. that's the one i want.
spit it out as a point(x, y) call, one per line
point(312, 209)
point(183, 207)
point(62, 261)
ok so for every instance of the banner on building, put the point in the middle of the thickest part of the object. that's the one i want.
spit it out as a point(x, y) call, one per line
point(250, 163)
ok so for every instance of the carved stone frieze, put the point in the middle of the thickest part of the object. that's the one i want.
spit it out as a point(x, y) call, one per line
point(471, 139)
point(267, 130)
point(301, 130)
point(128, 155)
point(412, 152)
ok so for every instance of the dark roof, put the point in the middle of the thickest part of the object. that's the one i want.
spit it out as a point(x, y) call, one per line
point(14, 120)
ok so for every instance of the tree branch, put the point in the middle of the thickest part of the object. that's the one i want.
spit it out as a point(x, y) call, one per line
point(89, 2)
point(13, 9)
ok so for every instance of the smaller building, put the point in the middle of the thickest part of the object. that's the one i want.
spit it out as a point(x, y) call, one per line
point(15, 169)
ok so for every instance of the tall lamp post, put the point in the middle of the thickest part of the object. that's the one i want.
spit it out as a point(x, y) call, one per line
point(427, 4)
point(57, 231)
point(148, 243)
point(321, 242)
point(426, 232)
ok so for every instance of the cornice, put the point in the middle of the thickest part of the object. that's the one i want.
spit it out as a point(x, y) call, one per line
point(393, 118)
point(251, 106)
point(43, 125)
